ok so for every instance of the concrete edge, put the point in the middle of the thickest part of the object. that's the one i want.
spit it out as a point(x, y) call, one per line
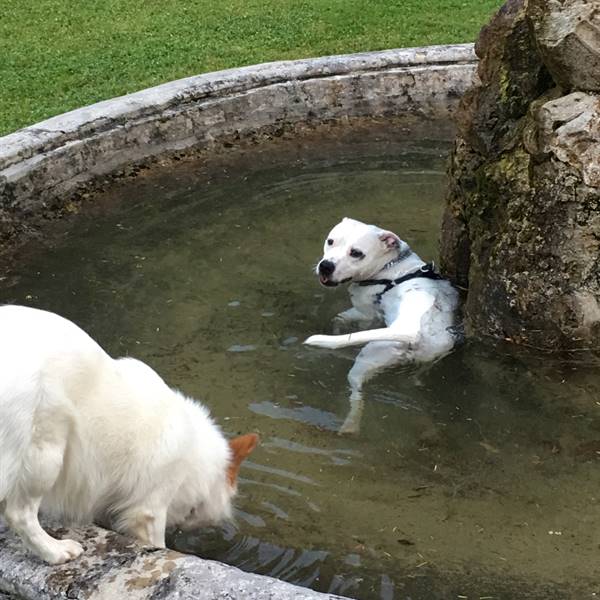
point(114, 566)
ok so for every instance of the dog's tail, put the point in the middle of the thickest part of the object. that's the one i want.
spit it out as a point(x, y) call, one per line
point(385, 334)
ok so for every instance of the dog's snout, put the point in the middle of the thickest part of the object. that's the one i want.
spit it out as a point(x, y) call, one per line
point(326, 267)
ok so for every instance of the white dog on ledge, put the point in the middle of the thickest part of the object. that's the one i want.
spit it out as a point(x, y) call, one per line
point(389, 283)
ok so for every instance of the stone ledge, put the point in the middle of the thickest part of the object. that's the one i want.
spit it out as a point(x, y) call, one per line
point(72, 125)
point(116, 567)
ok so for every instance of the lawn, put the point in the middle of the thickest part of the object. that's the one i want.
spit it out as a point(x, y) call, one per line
point(56, 55)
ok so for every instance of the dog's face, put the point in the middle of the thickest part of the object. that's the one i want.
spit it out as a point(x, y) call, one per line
point(355, 251)
point(217, 506)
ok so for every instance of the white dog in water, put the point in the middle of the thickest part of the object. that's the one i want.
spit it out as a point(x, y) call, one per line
point(389, 282)
point(89, 438)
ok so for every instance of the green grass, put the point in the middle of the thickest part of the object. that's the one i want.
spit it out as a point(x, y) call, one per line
point(56, 55)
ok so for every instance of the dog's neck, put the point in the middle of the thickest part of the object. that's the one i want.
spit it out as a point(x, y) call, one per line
point(405, 261)
point(402, 255)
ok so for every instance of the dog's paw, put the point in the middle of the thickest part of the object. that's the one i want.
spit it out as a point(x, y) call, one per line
point(62, 551)
point(349, 427)
point(321, 341)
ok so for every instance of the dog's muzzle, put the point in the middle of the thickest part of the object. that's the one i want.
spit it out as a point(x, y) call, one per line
point(326, 269)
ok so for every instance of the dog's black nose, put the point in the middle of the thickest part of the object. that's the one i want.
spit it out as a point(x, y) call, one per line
point(326, 267)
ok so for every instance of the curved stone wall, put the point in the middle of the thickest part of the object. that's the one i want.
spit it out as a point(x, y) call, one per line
point(43, 166)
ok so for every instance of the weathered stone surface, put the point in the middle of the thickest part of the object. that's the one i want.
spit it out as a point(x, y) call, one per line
point(567, 33)
point(512, 77)
point(115, 567)
point(44, 166)
point(569, 129)
point(522, 221)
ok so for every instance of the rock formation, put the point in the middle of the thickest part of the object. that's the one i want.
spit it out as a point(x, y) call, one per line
point(522, 223)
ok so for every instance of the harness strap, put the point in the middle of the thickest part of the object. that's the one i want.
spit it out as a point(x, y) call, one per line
point(427, 270)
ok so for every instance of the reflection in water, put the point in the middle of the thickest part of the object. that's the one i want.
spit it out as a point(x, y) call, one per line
point(303, 414)
point(476, 477)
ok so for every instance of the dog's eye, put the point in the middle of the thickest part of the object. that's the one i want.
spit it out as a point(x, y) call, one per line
point(330, 242)
point(354, 253)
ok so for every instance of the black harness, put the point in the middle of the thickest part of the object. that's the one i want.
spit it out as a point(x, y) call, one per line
point(427, 270)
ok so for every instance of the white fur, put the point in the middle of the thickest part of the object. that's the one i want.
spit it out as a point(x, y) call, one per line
point(90, 438)
point(417, 313)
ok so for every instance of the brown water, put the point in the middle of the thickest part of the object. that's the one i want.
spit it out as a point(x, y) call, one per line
point(478, 478)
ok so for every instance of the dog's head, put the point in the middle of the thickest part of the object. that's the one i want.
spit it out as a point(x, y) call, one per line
point(208, 499)
point(355, 251)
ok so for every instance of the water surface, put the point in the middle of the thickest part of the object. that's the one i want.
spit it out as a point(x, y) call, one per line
point(475, 478)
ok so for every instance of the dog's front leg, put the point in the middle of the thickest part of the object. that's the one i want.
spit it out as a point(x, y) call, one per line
point(405, 329)
point(385, 334)
point(147, 524)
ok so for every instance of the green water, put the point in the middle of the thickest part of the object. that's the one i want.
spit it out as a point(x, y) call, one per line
point(477, 478)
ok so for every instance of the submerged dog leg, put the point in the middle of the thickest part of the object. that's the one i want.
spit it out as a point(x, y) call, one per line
point(374, 357)
point(350, 317)
point(351, 423)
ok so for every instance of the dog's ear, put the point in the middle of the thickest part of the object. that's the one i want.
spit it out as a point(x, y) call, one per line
point(241, 447)
point(391, 240)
